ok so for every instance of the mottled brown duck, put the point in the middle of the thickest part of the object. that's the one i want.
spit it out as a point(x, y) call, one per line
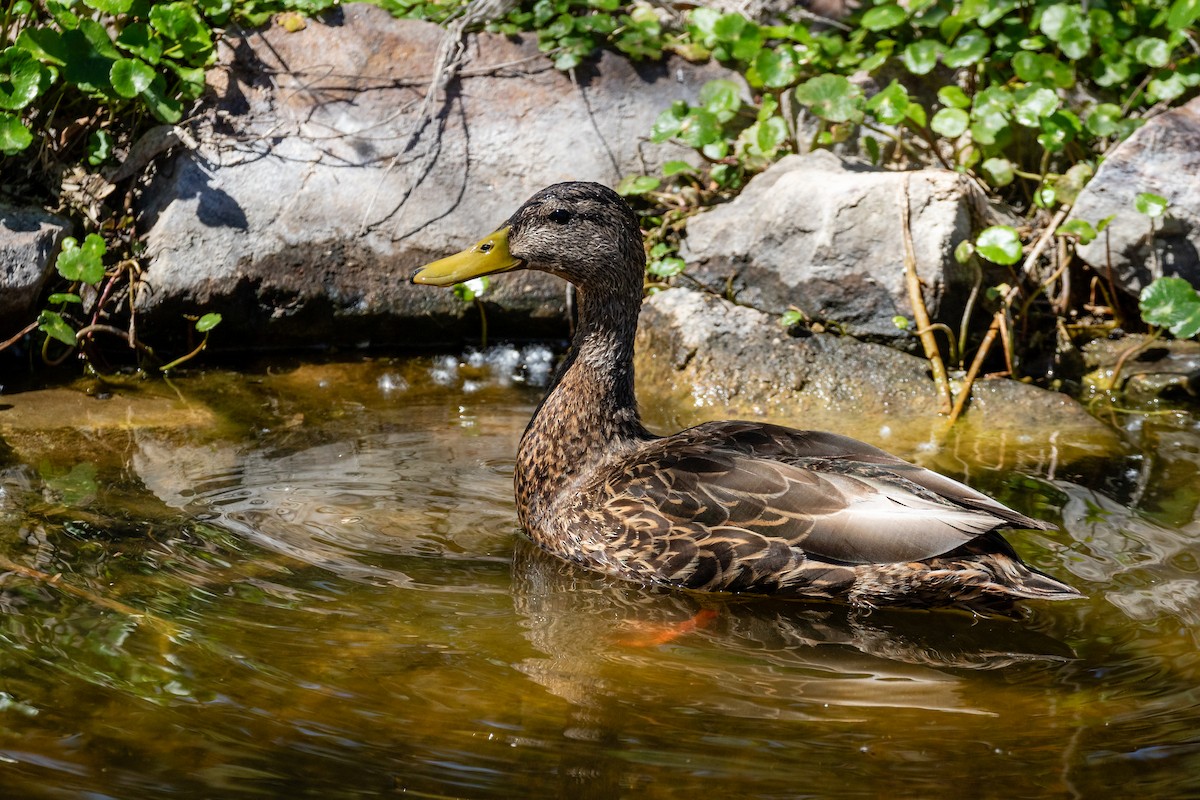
point(724, 506)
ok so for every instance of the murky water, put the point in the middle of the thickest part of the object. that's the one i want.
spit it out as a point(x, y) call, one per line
point(306, 581)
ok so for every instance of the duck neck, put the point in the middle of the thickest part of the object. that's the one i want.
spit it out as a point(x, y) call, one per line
point(590, 410)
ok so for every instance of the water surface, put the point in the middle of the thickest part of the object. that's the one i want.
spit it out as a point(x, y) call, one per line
point(305, 580)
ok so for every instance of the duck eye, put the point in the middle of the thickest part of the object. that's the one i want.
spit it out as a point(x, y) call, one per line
point(560, 215)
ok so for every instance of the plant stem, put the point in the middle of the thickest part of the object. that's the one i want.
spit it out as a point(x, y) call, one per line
point(920, 314)
point(964, 393)
point(199, 349)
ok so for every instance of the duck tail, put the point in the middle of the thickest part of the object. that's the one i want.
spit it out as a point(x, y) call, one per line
point(1022, 581)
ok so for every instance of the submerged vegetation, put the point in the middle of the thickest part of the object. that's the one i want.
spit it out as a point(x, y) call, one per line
point(1025, 98)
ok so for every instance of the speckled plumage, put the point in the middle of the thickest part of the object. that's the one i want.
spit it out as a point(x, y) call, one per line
point(728, 506)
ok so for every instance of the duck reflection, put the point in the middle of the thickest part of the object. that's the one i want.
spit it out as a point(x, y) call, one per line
point(752, 657)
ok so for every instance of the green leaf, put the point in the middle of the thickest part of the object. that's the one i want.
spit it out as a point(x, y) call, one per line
point(1152, 205)
point(721, 98)
point(130, 77)
point(699, 128)
point(467, 291)
point(1152, 52)
point(916, 113)
point(632, 185)
point(998, 171)
point(54, 326)
point(881, 18)
point(953, 97)
point(672, 168)
point(777, 68)
point(666, 267)
point(63, 297)
point(1172, 303)
point(1166, 89)
point(772, 133)
point(669, 122)
point(729, 27)
point(1111, 70)
point(890, 106)
point(109, 6)
point(970, 48)
point(207, 322)
point(1103, 119)
point(84, 262)
point(950, 122)
point(1182, 14)
point(964, 251)
point(20, 78)
point(999, 244)
point(1032, 104)
point(14, 136)
point(832, 97)
point(100, 147)
point(921, 56)
point(163, 106)
point(182, 24)
point(138, 38)
point(1081, 229)
point(791, 317)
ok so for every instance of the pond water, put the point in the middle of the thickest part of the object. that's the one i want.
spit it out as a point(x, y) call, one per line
point(305, 580)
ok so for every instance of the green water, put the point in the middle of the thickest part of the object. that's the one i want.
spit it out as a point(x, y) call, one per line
point(305, 580)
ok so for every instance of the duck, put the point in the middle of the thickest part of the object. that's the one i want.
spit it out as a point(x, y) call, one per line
point(739, 506)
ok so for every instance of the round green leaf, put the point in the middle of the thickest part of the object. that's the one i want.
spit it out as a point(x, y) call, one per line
point(921, 56)
point(772, 132)
point(14, 136)
point(729, 27)
point(953, 97)
point(130, 77)
point(666, 267)
point(211, 320)
point(54, 326)
point(998, 171)
point(1081, 229)
point(20, 78)
point(950, 122)
point(1103, 119)
point(100, 147)
point(63, 297)
point(699, 128)
point(1167, 88)
point(881, 18)
point(1152, 205)
point(832, 97)
point(1152, 52)
point(632, 185)
point(109, 6)
point(1032, 104)
point(964, 251)
point(970, 48)
point(777, 68)
point(669, 122)
point(999, 244)
point(1172, 303)
point(82, 262)
point(721, 98)
point(890, 106)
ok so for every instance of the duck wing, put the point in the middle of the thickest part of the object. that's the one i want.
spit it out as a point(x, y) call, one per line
point(743, 494)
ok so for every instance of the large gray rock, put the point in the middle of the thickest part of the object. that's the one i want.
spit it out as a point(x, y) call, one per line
point(825, 236)
point(700, 357)
point(29, 240)
point(1162, 157)
point(317, 186)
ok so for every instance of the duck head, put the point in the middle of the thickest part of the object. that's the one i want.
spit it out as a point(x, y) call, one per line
point(583, 232)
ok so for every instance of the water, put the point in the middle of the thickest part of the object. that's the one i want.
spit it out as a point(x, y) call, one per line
point(305, 580)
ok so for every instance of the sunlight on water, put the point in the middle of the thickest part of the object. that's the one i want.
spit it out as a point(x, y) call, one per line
point(306, 580)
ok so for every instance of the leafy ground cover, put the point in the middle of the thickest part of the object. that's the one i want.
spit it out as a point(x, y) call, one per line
point(1026, 98)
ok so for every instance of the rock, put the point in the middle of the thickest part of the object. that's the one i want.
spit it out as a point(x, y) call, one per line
point(1162, 157)
point(825, 236)
point(700, 357)
point(317, 187)
point(29, 240)
point(1167, 369)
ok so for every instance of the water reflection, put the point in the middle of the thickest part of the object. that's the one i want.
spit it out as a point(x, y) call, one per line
point(306, 580)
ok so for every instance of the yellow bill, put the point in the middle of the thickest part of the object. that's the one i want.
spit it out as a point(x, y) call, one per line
point(486, 257)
